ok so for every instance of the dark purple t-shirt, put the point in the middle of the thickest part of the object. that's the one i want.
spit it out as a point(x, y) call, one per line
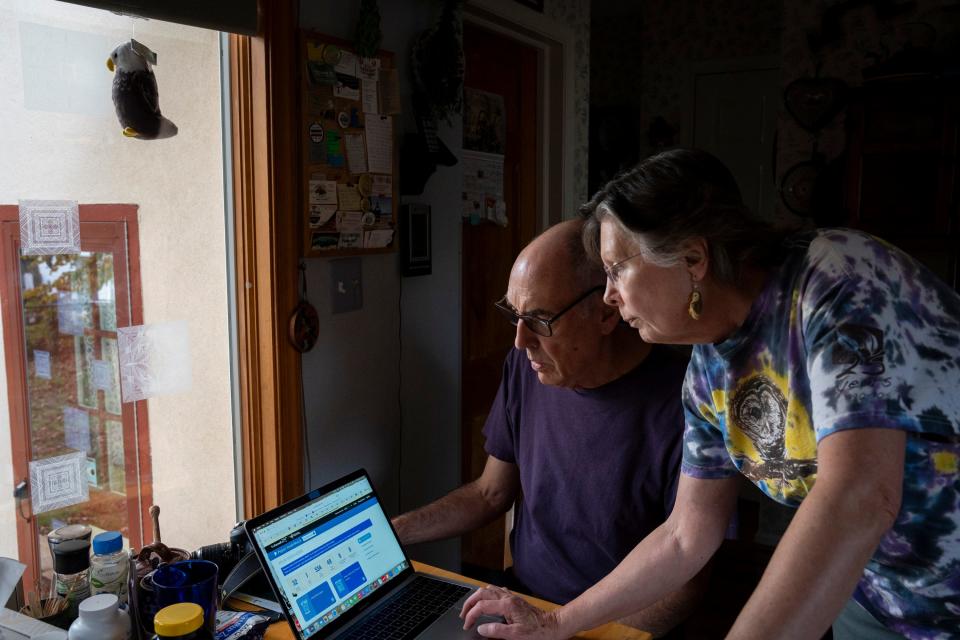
point(598, 467)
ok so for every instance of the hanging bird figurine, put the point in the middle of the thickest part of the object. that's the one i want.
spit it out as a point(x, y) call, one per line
point(135, 94)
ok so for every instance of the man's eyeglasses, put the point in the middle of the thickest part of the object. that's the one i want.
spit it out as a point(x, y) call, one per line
point(613, 271)
point(540, 326)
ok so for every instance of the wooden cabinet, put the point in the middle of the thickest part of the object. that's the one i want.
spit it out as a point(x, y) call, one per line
point(902, 167)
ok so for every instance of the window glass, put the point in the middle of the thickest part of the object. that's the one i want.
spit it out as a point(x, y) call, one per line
point(153, 252)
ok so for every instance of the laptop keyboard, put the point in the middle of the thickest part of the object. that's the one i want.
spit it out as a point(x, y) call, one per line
point(413, 610)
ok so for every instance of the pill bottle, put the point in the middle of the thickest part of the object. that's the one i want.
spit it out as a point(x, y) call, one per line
point(101, 619)
point(181, 621)
point(109, 565)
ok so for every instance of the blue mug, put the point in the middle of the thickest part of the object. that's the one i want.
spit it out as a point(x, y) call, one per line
point(188, 581)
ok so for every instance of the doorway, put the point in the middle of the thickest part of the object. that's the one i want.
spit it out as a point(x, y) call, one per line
point(734, 117)
point(506, 69)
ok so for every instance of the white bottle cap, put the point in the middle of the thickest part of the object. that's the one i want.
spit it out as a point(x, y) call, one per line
point(99, 606)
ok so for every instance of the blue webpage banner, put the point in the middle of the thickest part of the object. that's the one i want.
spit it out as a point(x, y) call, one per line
point(316, 600)
point(313, 533)
point(349, 579)
point(322, 549)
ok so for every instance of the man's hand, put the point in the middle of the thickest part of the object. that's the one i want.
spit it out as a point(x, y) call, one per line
point(523, 620)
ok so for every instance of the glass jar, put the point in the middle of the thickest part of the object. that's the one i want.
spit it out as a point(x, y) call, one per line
point(71, 570)
point(109, 565)
point(183, 621)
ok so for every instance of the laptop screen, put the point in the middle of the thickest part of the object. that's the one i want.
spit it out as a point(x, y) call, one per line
point(330, 553)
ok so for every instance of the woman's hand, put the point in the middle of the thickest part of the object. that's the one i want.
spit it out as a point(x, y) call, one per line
point(523, 620)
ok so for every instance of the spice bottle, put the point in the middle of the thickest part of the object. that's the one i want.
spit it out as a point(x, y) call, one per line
point(109, 565)
point(182, 621)
point(71, 568)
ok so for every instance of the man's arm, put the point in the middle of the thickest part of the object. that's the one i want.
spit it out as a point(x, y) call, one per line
point(464, 509)
point(836, 530)
point(667, 613)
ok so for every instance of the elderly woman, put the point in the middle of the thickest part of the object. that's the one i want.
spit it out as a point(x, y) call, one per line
point(826, 369)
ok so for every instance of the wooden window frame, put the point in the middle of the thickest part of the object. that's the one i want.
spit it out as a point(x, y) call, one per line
point(263, 102)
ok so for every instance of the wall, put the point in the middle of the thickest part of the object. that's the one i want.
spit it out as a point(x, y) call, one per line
point(382, 386)
point(676, 35)
point(68, 145)
point(575, 15)
point(643, 56)
point(862, 38)
point(352, 378)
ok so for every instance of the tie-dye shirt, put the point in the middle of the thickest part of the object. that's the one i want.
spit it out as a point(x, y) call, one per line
point(849, 332)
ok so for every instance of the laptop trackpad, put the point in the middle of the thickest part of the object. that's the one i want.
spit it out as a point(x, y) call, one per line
point(450, 625)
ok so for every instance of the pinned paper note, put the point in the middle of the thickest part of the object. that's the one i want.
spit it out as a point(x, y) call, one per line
point(351, 239)
point(58, 482)
point(154, 360)
point(334, 154)
point(483, 187)
point(349, 221)
point(347, 64)
point(76, 429)
point(324, 241)
point(369, 69)
point(111, 395)
point(71, 314)
point(41, 364)
point(380, 144)
point(323, 192)
point(382, 186)
point(368, 96)
point(378, 238)
point(49, 227)
point(349, 197)
point(321, 214)
point(356, 154)
point(102, 375)
point(347, 87)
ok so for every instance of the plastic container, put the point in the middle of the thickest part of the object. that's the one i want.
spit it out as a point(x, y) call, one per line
point(71, 568)
point(182, 621)
point(101, 619)
point(109, 565)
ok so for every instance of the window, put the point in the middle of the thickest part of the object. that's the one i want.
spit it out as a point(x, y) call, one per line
point(153, 250)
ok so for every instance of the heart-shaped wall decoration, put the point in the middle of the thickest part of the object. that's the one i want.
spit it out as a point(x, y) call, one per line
point(813, 102)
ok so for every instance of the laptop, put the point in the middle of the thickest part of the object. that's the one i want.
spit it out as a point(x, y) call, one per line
point(338, 570)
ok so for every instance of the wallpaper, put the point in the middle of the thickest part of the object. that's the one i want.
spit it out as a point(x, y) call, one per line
point(576, 15)
point(853, 41)
point(676, 34)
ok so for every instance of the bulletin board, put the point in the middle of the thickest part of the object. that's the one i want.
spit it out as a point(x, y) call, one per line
point(350, 155)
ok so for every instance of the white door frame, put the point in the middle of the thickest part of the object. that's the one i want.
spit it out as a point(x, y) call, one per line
point(556, 199)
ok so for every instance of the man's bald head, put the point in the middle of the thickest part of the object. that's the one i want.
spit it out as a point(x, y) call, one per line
point(557, 257)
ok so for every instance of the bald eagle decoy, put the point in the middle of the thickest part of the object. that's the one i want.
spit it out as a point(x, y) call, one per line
point(135, 95)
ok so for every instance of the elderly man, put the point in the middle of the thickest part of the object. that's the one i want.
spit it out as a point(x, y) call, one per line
point(586, 426)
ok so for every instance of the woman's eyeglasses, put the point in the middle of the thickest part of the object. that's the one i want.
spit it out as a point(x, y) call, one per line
point(613, 271)
point(540, 326)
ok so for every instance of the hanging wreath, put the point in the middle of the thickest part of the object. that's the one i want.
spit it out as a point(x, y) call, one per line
point(438, 64)
point(367, 35)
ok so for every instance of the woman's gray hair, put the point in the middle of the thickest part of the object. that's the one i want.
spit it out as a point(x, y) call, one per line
point(673, 197)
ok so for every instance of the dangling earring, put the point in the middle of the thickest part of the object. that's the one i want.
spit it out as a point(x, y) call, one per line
point(695, 307)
